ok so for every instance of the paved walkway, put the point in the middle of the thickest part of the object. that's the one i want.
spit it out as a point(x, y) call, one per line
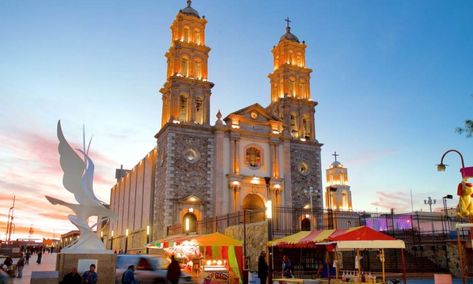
point(48, 263)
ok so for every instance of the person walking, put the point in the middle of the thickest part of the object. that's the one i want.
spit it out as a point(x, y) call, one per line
point(128, 276)
point(90, 277)
point(174, 271)
point(27, 256)
point(19, 266)
point(262, 267)
point(72, 277)
point(40, 256)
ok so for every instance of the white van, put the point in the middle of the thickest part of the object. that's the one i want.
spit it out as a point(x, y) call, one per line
point(149, 268)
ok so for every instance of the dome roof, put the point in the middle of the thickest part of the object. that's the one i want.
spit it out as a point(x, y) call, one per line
point(289, 36)
point(189, 10)
point(336, 164)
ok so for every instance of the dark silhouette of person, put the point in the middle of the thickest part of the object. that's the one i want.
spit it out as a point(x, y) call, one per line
point(72, 277)
point(262, 267)
point(174, 271)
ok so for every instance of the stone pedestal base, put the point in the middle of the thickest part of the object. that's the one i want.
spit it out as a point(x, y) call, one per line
point(105, 264)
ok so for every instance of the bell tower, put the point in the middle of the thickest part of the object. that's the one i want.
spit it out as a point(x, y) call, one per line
point(290, 87)
point(337, 192)
point(186, 92)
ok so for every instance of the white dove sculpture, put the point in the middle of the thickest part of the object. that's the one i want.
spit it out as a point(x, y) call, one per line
point(78, 179)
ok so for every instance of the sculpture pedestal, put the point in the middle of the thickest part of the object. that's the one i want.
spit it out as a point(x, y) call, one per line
point(105, 265)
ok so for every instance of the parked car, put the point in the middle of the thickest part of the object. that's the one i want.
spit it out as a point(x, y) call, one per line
point(149, 268)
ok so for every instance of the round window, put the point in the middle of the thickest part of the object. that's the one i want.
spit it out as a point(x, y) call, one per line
point(303, 168)
point(191, 155)
point(254, 115)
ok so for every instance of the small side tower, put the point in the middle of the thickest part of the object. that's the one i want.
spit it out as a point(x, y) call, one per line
point(337, 191)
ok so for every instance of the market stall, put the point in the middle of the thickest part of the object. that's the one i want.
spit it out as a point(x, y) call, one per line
point(337, 241)
point(360, 238)
point(214, 258)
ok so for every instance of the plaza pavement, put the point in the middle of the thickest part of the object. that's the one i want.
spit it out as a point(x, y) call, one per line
point(48, 263)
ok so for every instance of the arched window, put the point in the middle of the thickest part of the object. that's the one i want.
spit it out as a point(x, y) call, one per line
point(290, 58)
point(293, 125)
point(345, 200)
point(186, 34)
point(292, 86)
point(197, 36)
point(305, 224)
point(299, 59)
point(306, 127)
point(198, 68)
point(183, 107)
point(199, 110)
point(185, 66)
point(189, 222)
point(253, 157)
point(302, 92)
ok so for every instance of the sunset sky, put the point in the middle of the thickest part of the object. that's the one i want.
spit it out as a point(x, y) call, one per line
point(393, 80)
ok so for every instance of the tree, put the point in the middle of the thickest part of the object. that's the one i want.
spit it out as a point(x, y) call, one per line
point(467, 128)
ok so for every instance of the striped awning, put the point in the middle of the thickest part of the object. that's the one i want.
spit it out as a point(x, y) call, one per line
point(303, 239)
point(355, 236)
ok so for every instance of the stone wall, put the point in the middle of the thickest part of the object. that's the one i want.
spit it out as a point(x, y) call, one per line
point(184, 168)
point(308, 154)
point(256, 240)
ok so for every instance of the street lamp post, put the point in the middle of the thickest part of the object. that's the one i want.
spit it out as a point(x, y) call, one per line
point(111, 241)
point(445, 210)
point(310, 192)
point(330, 201)
point(147, 238)
point(465, 172)
point(126, 241)
point(429, 201)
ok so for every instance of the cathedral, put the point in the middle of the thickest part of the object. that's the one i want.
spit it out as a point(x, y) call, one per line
point(252, 158)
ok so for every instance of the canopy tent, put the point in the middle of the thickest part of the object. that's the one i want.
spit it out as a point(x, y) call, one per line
point(354, 238)
point(215, 245)
point(365, 238)
point(302, 239)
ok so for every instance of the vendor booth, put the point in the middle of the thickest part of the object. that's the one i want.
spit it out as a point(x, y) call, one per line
point(213, 258)
point(330, 244)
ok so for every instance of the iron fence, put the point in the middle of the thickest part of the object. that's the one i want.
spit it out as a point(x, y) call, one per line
point(412, 227)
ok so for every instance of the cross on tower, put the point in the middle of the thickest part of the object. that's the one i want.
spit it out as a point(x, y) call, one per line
point(335, 155)
point(287, 21)
point(189, 2)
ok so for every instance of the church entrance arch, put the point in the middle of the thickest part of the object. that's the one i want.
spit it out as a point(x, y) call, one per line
point(254, 207)
point(189, 222)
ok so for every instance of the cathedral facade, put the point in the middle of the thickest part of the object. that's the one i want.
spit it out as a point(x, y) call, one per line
point(249, 159)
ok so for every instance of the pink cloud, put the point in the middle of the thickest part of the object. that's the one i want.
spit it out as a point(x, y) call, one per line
point(398, 200)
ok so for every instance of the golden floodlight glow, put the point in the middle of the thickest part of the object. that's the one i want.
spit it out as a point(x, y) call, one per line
point(307, 216)
point(176, 121)
point(192, 199)
point(191, 210)
point(147, 230)
point(235, 183)
point(269, 209)
point(307, 206)
point(101, 234)
point(112, 233)
point(255, 180)
point(277, 186)
point(126, 232)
